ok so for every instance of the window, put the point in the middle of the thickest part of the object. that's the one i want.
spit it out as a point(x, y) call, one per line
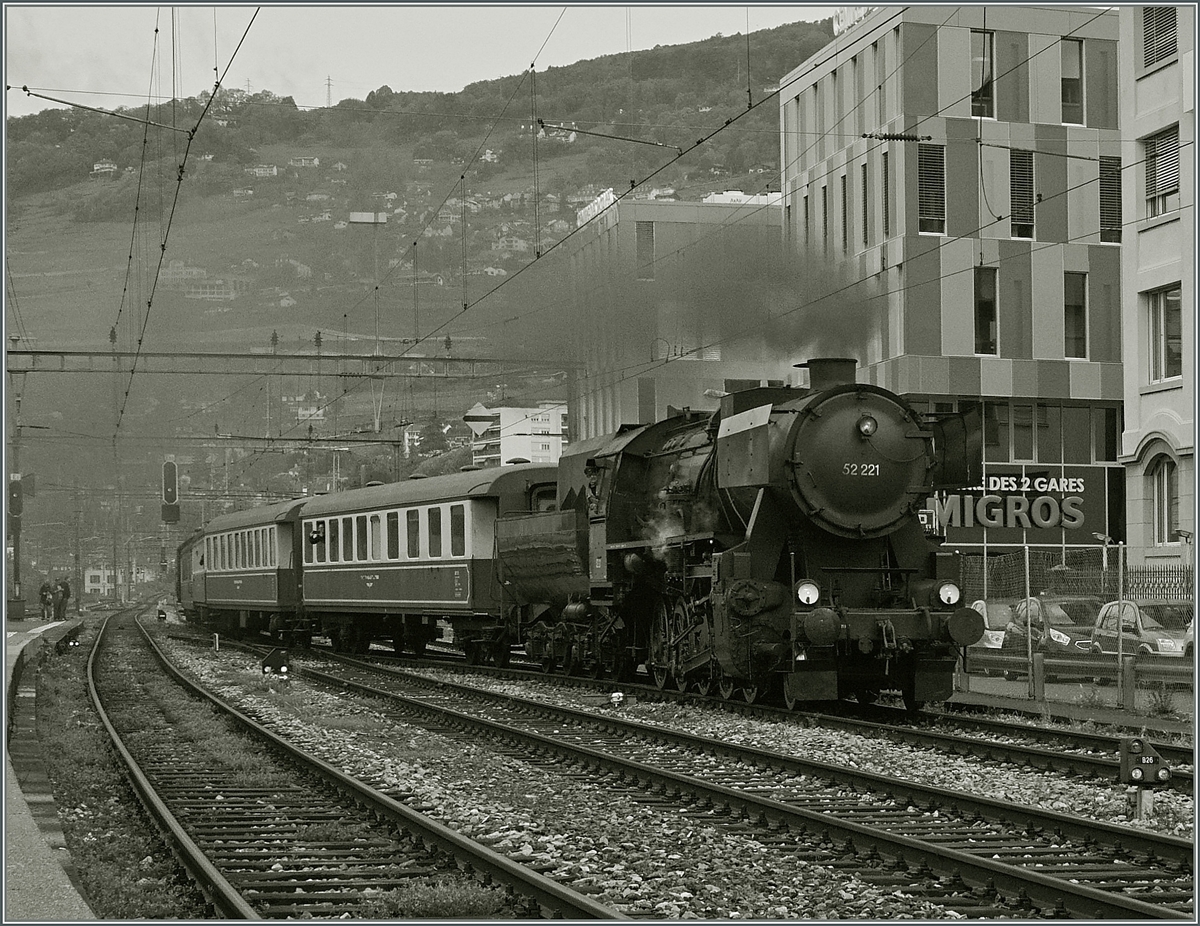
point(1164, 482)
point(845, 217)
point(331, 540)
point(393, 535)
point(413, 524)
point(1075, 316)
point(982, 101)
point(865, 237)
point(644, 232)
point(1162, 172)
point(360, 536)
point(318, 548)
point(1020, 179)
point(996, 439)
point(931, 189)
point(1072, 81)
point(985, 310)
point(1158, 34)
point(376, 547)
point(825, 219)
point(435, 531)
point(1166, 334)
point(458, 530)
point(887, 198)
point(1022, 432)
point(347, 540)
point(807, 224)
point(1110, 199)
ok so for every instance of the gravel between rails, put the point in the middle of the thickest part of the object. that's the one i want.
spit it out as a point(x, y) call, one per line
point(645, 860)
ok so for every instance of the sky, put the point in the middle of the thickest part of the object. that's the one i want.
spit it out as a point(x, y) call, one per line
point(106, 56)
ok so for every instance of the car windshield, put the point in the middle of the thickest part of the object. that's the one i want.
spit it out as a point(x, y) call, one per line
point(1055, 616)
point(997, 615)
point(1166, 616)
point(1081, 611)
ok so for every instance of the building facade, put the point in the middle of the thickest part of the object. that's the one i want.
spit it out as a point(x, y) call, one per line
point(535, 434)
point(1158, 83)
point(672, 303)
point(952, 184)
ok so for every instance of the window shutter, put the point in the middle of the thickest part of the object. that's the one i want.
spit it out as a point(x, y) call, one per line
point(1158, 33)
point(1162, 162)
point(931, 183)
point(1021, 184)
point(1110, 199)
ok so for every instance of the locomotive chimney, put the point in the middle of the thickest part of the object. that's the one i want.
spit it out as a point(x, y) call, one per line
point(827, 372)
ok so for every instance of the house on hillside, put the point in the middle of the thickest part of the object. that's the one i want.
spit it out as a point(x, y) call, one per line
point(104, 170)
point(304, 161)
point(262, 170)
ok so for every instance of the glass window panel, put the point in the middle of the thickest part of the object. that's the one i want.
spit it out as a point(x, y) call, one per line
point(360, 547)
point(1072, 81)
point(347, 539)
point(393, 535)
point(413, 521)
point(1075, 315)
point(982, 99)
point(435, 531)
point(1077, 434)
point(332, 540)
point(375, 548)
point(995, 433)
point(1022, 432)
point(985, 310)
point(1107, 432)
point(458, 530)
point(1049, 434)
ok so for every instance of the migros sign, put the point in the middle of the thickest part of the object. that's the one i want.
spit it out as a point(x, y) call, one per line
point(1016, 504)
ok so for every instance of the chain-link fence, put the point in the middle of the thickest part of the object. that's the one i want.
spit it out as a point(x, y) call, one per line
point(1091, 573)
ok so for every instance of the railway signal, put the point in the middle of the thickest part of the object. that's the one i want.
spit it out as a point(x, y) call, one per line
point(276, 665)
point(1141, 765)
point(170, 492)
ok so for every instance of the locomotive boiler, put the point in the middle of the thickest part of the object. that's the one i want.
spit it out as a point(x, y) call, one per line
point(771, 548)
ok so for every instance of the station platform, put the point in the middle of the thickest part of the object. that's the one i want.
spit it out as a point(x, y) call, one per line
point(39, 885)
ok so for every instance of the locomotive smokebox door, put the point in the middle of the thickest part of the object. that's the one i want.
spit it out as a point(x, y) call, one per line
point(744, 449)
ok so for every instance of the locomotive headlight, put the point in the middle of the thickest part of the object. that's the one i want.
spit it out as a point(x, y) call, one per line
point(867, 425)
point(949, 593)
point(807, 592)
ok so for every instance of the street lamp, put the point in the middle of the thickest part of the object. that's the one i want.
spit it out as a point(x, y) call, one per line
point(1106, 540)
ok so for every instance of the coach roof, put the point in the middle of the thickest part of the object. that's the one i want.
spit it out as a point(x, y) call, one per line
point(492, 481)
point(254, 517)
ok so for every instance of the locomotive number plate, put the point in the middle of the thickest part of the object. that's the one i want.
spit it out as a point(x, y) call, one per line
point(860, 469)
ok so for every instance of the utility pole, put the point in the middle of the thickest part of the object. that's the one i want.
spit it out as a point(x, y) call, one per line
point(15, 497)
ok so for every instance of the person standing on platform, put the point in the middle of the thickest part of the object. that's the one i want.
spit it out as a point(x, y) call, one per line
point(46, 600)
point(62, 594)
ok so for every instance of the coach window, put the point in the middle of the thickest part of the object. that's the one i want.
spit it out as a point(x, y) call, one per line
point(347, 539)
point(413, 523)
point(435, 531)
point(332, 540)
point(221, 546)
point(322, 529)
point(360, 549)
point(458, 530)
point(393, 535)
point(376, 546)
point(258, 549)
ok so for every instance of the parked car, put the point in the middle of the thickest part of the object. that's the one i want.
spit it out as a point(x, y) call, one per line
point(1054, 631)
point(1188, 650)
point(1148, 627)
point(997, 612)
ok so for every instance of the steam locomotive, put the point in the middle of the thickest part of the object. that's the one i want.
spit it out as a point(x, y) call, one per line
point(772, 548)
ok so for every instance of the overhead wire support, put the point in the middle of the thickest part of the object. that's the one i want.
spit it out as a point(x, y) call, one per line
point(107, 112)
point(896, 136)
point(639, 141)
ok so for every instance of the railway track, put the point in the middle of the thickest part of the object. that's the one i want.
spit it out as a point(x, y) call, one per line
point(258, 830)
point(967, 849)
point(1052, 748)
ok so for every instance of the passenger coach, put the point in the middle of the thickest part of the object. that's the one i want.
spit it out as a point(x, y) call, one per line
point(245, 574)
point(387, 562)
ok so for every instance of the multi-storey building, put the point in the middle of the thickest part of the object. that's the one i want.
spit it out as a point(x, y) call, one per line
point(672, 306)
point(535, 434)
point(1158, 116)
point(952, 182)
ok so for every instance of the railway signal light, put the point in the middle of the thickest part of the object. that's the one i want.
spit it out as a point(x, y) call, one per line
point(16, 496)
point(276, 664)
point(1141, 764)
point(170, 482)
